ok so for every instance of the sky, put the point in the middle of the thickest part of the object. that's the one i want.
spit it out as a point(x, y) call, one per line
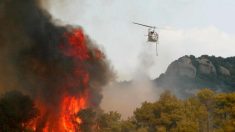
point(194, 27)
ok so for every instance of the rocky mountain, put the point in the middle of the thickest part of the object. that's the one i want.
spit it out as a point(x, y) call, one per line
point(189, 74)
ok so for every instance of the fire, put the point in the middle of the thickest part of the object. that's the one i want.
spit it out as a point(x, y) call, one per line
point(71, 106)
point(58, 66)
point(77, 47)
point(67, 119)
point(63, 117)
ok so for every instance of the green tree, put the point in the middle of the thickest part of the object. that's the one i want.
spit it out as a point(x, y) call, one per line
point(128, 125)
point(109, 122)
point(207, 111)
point(163, 115)
point(206, 98)
point(145, 116)
point(225, 111)
point(191, 114)
point(170, 110)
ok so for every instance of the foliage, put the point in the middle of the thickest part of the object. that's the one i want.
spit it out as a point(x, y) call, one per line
point(110, 122)
point(207, 111)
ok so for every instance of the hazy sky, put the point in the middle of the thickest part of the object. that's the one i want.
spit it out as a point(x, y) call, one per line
point(197, 27)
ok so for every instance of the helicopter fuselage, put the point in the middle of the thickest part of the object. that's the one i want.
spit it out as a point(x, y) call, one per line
point(152, 35)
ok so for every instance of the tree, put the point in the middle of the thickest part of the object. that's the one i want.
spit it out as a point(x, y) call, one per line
point(16, 111)
point(190, 117)
point(109, 122)
point(88, 117)
point(206, 98)
point(170, 110)
point(207, 111)
point(225, 111)
point(163, 115)
point(128, 125)
point(145, 116)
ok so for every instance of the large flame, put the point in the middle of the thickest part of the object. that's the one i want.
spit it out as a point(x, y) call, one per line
point(59, 67)
point(63, 118)
point(70, 107)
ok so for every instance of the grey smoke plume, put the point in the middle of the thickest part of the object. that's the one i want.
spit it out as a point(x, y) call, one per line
point(32, 61)
point(126, 96)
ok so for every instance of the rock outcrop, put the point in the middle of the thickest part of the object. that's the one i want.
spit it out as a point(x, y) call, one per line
point(189, 74)
point(182, 67)
point(206, 66)
point(224, 71)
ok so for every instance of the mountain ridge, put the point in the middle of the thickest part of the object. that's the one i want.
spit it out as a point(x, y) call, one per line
point(188, 73)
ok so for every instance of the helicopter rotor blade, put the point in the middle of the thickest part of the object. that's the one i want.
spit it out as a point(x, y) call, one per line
point(165, 28)
point(144, 25)
point(160, 28)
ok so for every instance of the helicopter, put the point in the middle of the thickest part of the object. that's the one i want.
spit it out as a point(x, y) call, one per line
point(152, 34)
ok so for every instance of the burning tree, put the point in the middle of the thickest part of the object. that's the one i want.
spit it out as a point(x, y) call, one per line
point(16, 111)
point(89, 120)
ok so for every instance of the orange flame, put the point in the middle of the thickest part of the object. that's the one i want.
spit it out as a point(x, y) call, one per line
point(63, 118)
point(67, 119)
point(70, 107)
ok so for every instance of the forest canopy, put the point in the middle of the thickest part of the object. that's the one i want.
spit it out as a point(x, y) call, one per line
point(206, 111)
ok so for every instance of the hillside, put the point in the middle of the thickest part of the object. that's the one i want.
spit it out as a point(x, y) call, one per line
point(188, 74)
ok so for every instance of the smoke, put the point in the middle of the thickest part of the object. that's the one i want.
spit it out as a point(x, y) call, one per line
point(67, 8)
point(126, 96)
point(41, 59)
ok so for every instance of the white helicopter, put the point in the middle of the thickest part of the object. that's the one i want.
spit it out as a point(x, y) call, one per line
point(152, 34)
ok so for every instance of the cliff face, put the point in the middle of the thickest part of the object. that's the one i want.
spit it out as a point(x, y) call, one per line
point(189, 74)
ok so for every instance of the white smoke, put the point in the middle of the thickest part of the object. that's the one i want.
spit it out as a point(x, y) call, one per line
point(125, 97)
